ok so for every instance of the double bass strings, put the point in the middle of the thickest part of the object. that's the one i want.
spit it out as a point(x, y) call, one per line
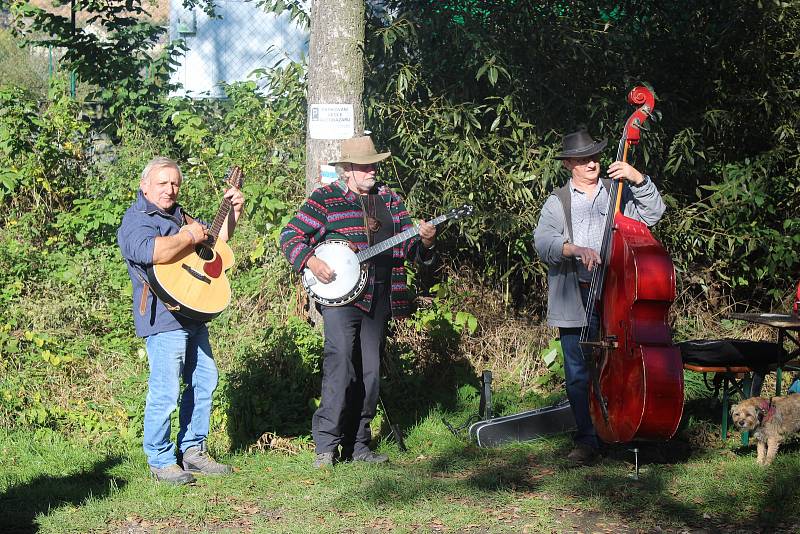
point(596, 285)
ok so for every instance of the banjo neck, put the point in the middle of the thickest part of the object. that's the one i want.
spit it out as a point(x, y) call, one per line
point(386, 244)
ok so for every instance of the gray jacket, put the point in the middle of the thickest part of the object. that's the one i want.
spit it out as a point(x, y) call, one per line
point(564, 304)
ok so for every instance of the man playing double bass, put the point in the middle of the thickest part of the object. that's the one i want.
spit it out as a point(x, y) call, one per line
point(568, 238)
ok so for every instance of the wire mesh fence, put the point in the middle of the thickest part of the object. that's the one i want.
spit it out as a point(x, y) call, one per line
point(241, 38)
point(227, 48)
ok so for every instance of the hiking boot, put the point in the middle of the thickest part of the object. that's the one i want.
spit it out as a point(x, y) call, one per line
point(172, 474)
point(324, 459)
point(370, 457)
point(197, 460)
point(583, 454)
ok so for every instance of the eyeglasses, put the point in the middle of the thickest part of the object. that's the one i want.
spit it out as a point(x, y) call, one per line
point(363, 167)
point(586, 159)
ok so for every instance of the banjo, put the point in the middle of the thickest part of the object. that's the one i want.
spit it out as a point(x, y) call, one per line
point(349, 267)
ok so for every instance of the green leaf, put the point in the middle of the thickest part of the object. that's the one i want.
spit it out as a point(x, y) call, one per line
point(493, 75)
point(472, 324)
point(549, 356)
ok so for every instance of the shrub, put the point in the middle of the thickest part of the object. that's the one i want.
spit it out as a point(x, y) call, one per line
point(24, 67)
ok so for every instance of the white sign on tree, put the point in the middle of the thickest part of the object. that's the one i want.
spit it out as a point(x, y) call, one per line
point(330, 121)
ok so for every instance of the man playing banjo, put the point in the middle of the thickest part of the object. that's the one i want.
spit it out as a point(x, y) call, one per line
point(360, 212)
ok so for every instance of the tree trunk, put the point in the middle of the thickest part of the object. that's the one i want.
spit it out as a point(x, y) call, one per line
point(335, 73)
point(335, 76)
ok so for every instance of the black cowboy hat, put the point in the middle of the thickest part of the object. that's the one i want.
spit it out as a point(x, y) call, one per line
point(580, 144)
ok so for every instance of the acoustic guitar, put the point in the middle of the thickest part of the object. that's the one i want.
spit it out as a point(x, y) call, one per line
point(194, 284)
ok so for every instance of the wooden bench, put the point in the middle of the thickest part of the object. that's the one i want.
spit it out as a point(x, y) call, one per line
point(739, 366)
point(732, 382)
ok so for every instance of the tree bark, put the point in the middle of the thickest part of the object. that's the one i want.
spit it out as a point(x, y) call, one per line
point(335, 76)
point(335, 73)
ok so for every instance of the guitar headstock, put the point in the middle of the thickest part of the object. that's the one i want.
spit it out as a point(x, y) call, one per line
point(234, 177)
point(459, 213)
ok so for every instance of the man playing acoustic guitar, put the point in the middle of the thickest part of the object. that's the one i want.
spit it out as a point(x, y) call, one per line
point(362, 212)
point(155, 230)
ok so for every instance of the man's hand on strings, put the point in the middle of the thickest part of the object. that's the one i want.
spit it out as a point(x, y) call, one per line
point(589, 257)
point(621, 170)
point(321, 270)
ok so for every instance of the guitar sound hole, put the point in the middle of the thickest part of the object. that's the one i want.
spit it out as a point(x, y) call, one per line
point(204, 252)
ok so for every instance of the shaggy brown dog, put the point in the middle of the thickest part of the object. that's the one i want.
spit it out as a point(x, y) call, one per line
point(769, 420)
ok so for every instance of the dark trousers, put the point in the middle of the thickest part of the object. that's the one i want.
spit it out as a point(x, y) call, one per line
point(350, 375)
point(577, 376)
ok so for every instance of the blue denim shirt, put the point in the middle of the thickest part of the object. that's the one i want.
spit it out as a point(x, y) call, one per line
point(136, 236)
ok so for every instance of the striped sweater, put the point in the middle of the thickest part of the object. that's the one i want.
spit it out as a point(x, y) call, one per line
point(335, 212)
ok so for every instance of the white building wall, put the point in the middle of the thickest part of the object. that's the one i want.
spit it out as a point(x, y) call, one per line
point(229, 48)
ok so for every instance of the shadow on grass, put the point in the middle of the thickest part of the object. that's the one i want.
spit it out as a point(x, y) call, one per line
point(790, 446)
point(459, 471)
point(718, 491)
point(747, 501)
point(425, 372)
point(21, 504)
point(706, 490)
point(409, 398)
point(274, 391)
point(274, 387)
point(782, 488)
point(270, 387)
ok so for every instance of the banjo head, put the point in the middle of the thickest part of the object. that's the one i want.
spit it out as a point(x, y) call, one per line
point(349, 279)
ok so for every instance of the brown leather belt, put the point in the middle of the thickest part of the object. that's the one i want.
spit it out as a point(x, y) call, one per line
point(587, 285)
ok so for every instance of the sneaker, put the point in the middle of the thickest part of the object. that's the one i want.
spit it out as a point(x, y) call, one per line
point(583, 454)
point(370, 457)
point(172, 474)
point(324, 459)
point(197, 460)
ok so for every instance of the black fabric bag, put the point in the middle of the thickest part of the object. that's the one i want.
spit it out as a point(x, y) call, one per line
point(757, 355)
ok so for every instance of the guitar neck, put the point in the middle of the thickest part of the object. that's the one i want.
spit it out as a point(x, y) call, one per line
point(219, 220)
point(233, 178)
point(386, 244)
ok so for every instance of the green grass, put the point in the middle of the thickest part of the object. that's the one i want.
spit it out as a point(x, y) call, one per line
point(53, 483)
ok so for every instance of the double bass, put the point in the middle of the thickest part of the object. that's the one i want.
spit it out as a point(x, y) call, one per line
point(636, 385)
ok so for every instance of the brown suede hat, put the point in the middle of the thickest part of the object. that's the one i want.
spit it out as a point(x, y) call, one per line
point(579, 145)
point(359, 150)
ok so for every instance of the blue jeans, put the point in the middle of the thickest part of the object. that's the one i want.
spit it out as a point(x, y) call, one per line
point(577, 377)
point(173, 355)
